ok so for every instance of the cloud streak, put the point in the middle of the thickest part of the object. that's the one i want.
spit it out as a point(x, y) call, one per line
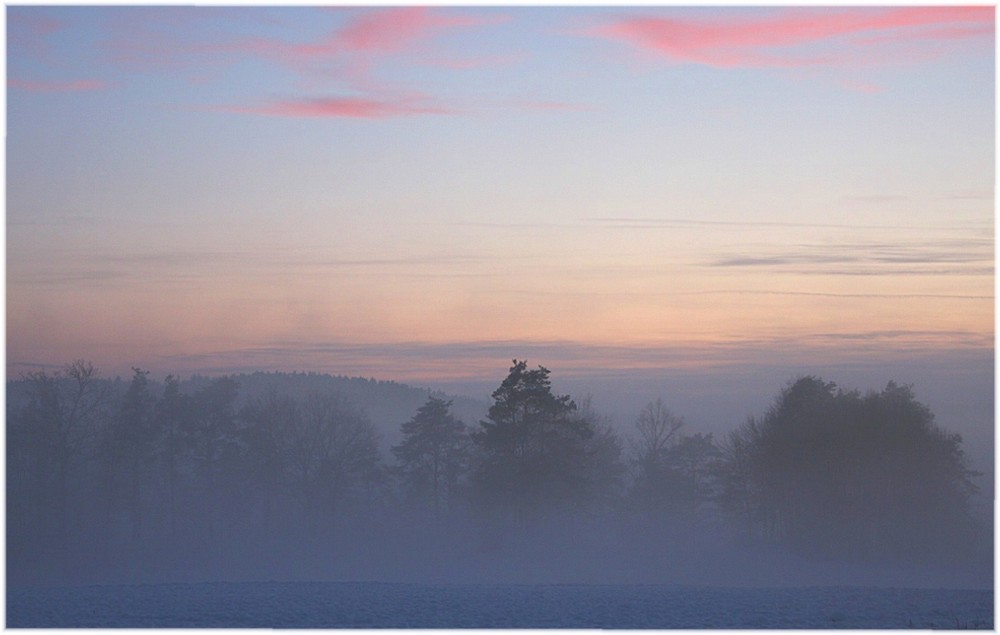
point(857, 296)
point(667, 223)
point(351, 55)
point(946, 257)
point(788, 38)
point(191, 266)
point(396, 29)
point(482, 359)
point(30, 32)
point(338, 107)
point(74, 86)
point(367, 37)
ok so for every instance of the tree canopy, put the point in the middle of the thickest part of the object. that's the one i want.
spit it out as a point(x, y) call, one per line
point(534, 447)
point(434, 453)
point(849, 475)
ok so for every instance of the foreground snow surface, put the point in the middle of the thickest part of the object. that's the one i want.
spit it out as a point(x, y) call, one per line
point(377, 605)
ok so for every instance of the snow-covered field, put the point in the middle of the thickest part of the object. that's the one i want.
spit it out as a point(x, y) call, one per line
point(377, 605)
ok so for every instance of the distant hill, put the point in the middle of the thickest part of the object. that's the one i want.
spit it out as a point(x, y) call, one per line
point(387, 403)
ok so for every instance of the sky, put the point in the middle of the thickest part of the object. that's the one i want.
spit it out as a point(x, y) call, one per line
point(424, 193)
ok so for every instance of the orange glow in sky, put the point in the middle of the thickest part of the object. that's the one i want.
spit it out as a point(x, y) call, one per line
point(421, 191)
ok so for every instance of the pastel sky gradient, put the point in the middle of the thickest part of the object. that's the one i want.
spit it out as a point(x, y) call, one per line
point(424, 193)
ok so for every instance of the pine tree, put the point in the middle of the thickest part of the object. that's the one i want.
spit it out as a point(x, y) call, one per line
point(434, 454)
point(533, 446)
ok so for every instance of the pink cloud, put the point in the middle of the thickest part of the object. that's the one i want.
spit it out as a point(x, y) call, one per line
point(350, 54)
point(339, 107)
point(862, 87)
point(368, 35)
point(57, 87)
point(33, 24)
point(394, 29)
point(29, 31)
point(354, 52)
point(765, 42)
point(943, 34)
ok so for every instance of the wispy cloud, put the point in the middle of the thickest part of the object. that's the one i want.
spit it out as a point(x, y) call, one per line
point(489, 358)
point(861, 87)
point(876, 199)
point(786, 38)
point(971, 196)
point(367, 38)
point(339, 107)
point(72, 86)
point(350, 59)
point(30, 32)
point(853, 296)
point(397, 29)
point(189, 266)
point(969, 256)
point(76, 220)
point(355, 53)
point(668, 223)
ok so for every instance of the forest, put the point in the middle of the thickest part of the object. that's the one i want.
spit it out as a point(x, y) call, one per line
point(137, 480)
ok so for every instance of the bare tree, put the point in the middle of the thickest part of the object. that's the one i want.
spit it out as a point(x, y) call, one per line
point(674, 474)
point(658, 428)
point(333, 453)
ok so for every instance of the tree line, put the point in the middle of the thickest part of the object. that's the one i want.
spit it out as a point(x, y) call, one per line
point(116, 476)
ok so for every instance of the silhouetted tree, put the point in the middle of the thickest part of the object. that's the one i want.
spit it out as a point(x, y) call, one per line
point(127, 449)
point(215, 447)
point(841, 474)
point(136, 420)
point(268, 426)
point(174, 430)
point(673, 473)
point(658, 430)
point(740, 482)
point(693, 462)
point(47, 441)
point(533, 446)
point(434, 453)
point(603, 457)
point(333, 454)
point(658, 427)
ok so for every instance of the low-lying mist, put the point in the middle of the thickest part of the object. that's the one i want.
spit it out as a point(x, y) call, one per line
point(135, 481)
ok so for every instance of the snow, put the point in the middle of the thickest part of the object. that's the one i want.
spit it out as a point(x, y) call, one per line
point(383, 605)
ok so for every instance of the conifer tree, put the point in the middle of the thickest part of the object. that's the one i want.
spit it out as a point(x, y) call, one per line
point(434, 453)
